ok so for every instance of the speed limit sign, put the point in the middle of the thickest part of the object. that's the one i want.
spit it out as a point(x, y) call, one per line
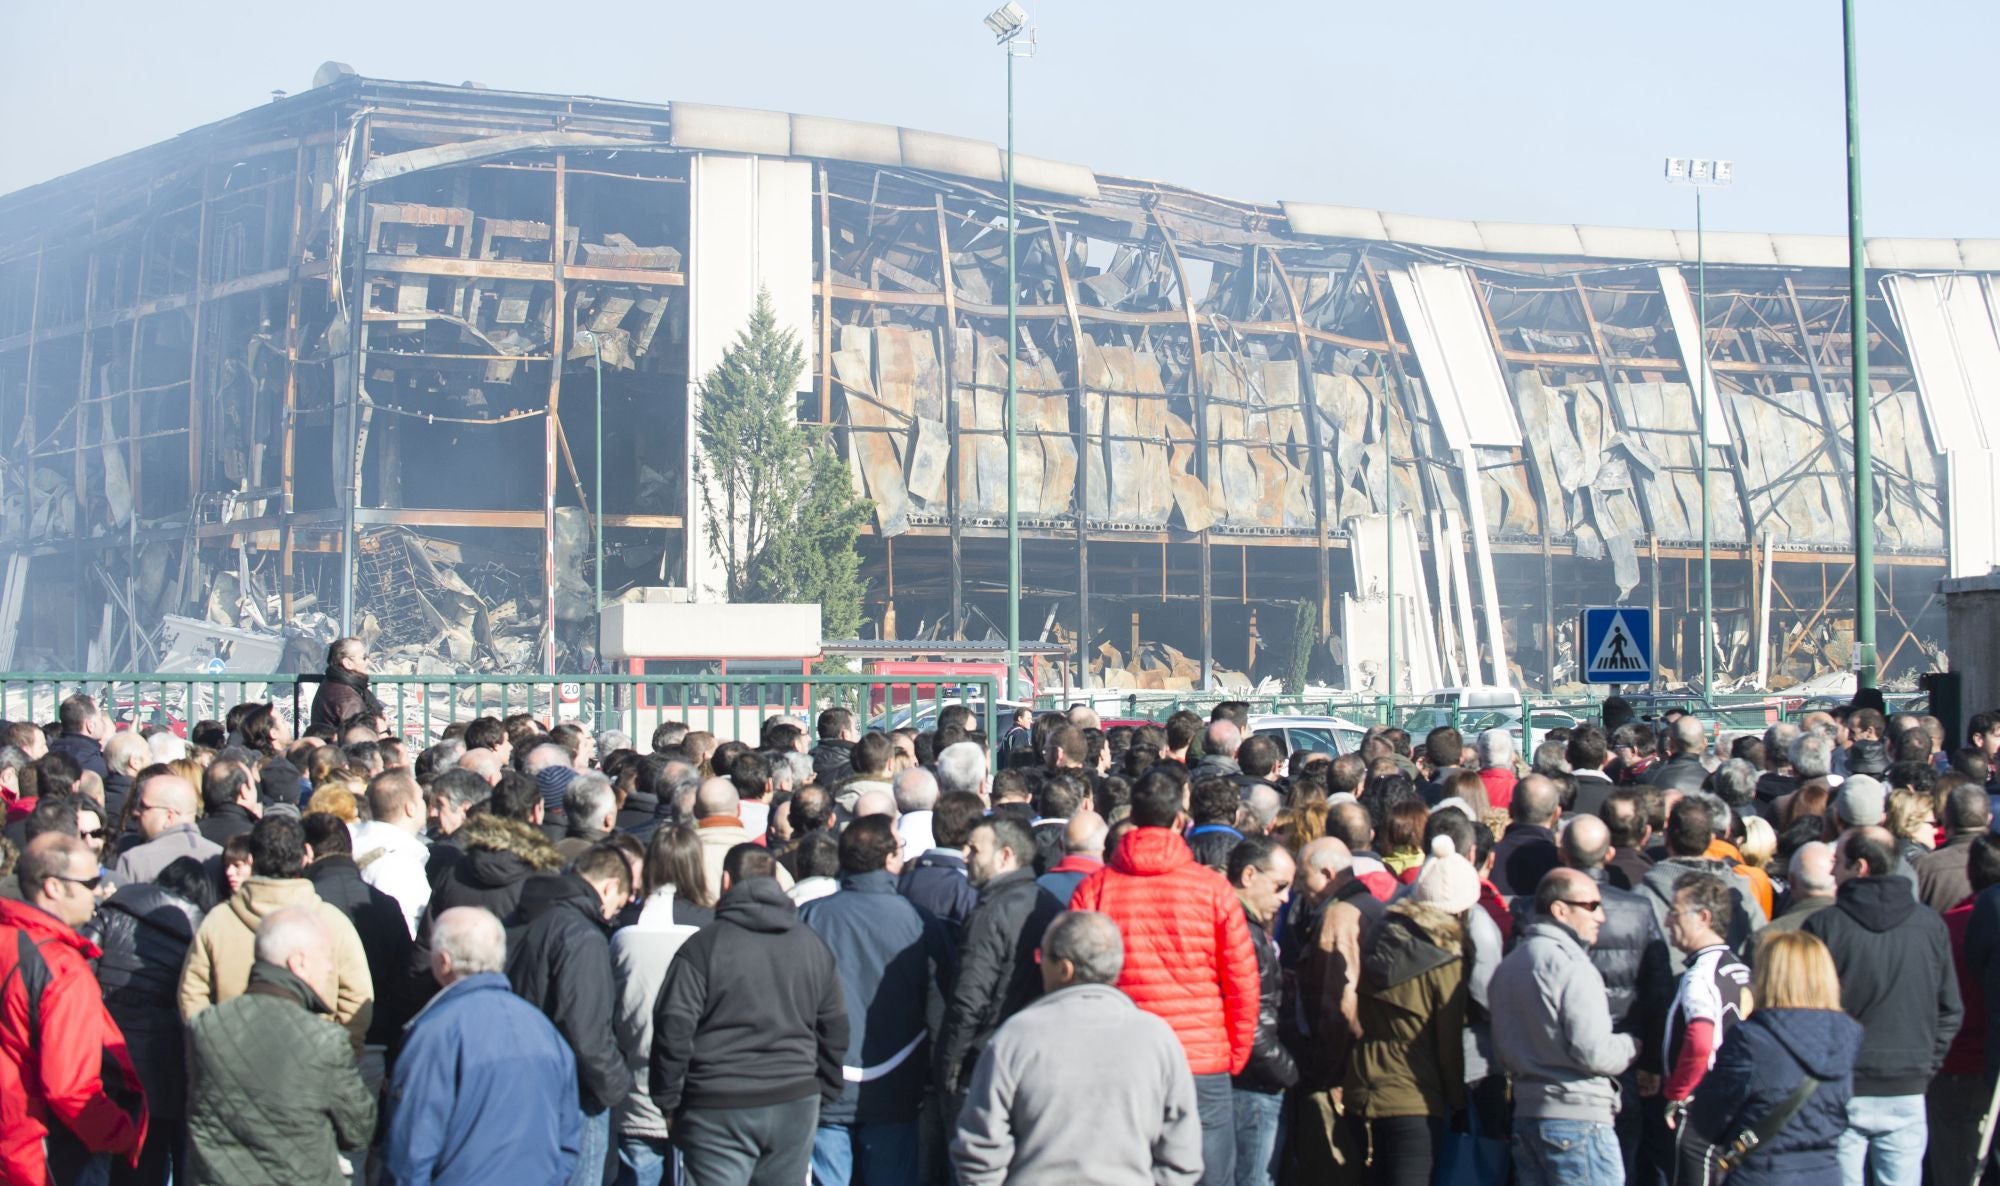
point(569, 701)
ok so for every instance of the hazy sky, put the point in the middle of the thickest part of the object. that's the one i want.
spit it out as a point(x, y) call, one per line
point(1545, 111)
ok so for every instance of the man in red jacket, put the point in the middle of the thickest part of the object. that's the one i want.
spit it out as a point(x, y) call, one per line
point(1188, 958)
point(68, 1093)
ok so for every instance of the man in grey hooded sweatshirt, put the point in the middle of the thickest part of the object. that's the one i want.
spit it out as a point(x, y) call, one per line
point(1558, 1044)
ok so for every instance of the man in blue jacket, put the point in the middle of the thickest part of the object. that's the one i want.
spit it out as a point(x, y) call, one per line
point(892, 958)
point(485, 1090)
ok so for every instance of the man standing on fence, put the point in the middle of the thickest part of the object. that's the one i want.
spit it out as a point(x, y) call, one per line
point(345, 693)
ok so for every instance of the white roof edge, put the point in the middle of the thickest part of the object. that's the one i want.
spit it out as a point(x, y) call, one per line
point(776, 133)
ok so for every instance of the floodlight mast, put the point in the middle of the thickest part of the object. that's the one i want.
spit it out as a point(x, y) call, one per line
point(1008, 22)
point(1699, 172)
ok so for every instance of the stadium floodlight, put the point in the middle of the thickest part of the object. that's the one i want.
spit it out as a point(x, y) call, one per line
point(1701, 173)
point(1007, 21)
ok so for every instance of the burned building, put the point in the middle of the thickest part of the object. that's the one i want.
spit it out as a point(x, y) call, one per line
point(337, 357)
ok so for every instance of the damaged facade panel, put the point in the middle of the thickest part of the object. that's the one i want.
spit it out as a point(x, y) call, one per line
point(345, 345)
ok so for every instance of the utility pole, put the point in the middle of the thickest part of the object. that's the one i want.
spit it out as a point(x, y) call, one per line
point(1864, 428)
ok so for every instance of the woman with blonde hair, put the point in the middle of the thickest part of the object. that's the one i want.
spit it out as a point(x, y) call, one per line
point(1913, 819)
point(1760, 842)
point(1752, 1096)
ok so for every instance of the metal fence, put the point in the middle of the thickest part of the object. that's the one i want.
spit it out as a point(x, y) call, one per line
point(419, 707)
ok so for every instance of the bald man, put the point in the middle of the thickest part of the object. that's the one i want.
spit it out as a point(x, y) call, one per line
point(720, 828)
point(1083, 854)
point(1811, 887)
point(164, 815)
point(486, 763)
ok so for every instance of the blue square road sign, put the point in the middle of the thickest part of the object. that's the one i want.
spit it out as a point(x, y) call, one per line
point(1617, 645)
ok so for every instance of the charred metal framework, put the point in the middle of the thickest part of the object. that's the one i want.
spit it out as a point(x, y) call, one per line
point(187, 331)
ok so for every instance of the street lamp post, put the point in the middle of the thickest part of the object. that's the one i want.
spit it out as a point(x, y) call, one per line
point(1007, 23)
point(1699, 174)
point(1865, 672)
point(597, 503)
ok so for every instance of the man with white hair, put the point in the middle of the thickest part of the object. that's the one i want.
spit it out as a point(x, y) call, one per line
point(485, 1088)
point(962, 766)
point(1812, 758)
point(590, 811)
point(1496, 767)
point(1685, 768)
point(125, 755)
point(916, 791)
point(1261, 804)
point(271, 1082)
point(1045, 1107)
point(1219, 744)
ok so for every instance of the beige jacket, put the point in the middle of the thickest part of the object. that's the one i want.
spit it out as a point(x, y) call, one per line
point(717, 838)
point(224, 947)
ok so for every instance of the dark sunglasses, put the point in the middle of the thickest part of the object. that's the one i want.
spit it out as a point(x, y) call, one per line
point(92, 834)
point(1590, 907)
point(89, 883)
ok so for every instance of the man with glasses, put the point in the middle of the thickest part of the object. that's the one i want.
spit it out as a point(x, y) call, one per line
point(1714, 992)
point(1558, 1043)
point(67, 1087)
point(164, 813)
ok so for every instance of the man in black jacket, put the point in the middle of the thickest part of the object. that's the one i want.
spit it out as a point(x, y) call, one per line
point(996, 949)
point(892, 958)
point(938, 881)
point(1528, 848)
point(1897, 980)
point(1262, 870)
point(559, 960)
point(749, 1034)
point(229, 799)
point(1684, 769)
point(833, 757)
point(377, 918)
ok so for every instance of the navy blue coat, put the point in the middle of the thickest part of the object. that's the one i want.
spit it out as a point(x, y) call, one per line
point(485, 1091)
point(1759, 1066)
point(937, 883)
point(892, 957)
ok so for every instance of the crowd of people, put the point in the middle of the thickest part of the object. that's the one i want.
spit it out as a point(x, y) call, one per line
point(1164, 953)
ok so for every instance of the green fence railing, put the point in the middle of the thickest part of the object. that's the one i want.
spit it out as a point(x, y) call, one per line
point(419, 707)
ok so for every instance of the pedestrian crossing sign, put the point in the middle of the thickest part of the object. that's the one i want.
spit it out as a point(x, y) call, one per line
point(1617, 645)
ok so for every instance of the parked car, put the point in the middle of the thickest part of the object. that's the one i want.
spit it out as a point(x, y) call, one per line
point(1304, 734)
point(1475, 709)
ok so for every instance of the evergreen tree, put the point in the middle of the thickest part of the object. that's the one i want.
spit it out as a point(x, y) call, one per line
point(777, 502)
